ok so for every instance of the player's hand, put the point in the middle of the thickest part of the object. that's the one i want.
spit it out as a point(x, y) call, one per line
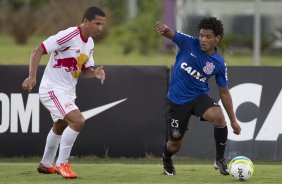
point(161, 28)
point(28, 84)
point(236, 127)
point(100, 74)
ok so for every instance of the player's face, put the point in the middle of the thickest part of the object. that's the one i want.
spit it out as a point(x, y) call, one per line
point(208, 40)
point(95, 26)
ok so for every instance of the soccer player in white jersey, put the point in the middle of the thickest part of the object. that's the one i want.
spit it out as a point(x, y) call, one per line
point(71, 56)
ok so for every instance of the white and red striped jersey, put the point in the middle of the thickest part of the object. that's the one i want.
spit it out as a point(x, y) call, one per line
point(70, 53)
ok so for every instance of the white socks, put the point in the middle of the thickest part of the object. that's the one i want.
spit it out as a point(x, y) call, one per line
point(51, 147)
point(68, 138)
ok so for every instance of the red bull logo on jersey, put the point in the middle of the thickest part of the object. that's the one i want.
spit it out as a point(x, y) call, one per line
point(208, 69)
point(70, 64)
point(73, 65)
point(81, 60)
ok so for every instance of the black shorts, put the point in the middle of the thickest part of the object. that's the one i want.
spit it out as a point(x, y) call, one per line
point(178, 115)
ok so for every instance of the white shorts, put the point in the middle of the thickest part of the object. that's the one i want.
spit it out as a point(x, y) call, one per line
point(58, 102)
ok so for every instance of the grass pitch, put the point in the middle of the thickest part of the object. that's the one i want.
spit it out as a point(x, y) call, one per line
point(116, 171)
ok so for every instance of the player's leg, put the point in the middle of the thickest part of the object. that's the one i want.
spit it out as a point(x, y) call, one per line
point(209, 110)
point(216, 117)
point(47, 98)
point(75, 122)
point(69, 121)
point(170, 148)
point(51, 147)
point(177, 122)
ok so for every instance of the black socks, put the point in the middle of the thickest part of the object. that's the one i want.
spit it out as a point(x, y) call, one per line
point(166, 152)
point(220, 136)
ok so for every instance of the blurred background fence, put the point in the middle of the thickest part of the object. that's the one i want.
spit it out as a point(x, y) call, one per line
point(248, 24)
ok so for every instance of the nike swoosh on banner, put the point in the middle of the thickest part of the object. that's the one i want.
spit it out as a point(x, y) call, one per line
point(92, 112)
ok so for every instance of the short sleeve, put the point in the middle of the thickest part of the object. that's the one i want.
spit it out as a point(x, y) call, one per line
point(51, 45)
point(60, 40)
point(221, 77)
point(183, 40)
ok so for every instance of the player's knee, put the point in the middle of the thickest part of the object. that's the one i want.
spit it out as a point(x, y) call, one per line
point(219, 121)
point(80, 121)
point(77, 123)
point(174, 146)
point(59, 127)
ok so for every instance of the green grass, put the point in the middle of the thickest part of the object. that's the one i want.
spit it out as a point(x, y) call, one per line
point(104, 54)
point(116, 171)
point(110, 53)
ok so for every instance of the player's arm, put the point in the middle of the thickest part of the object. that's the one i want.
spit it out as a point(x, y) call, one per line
point(35, 58)
point(97, 72)
point(228, 105)
point(164, 30)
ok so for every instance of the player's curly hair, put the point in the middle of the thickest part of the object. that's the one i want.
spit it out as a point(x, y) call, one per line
point(212, 23)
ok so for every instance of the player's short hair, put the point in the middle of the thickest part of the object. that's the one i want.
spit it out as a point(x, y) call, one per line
point(212, 23)
point(91, 13)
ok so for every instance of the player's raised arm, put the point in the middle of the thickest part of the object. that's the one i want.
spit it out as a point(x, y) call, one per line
point(164, 30)
point(228, 105)
point(35, 57)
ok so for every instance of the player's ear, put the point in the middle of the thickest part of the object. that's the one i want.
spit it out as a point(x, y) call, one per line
point(218, 38)
point(85, 20)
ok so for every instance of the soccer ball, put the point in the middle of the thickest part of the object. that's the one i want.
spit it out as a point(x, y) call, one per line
point(241, 168)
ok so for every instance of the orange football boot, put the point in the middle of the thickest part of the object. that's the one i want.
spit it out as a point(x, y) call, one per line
point(46, 170)
point(65, 170)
